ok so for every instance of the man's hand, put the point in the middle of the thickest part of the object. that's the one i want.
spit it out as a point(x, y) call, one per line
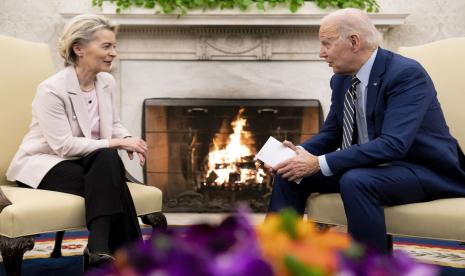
point(269, 169)
point(302, 165)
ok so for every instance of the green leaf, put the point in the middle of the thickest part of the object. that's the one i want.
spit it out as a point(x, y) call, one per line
point(297, 268)
point(149, 4)
point(183, 6)
point(289, 219)
point(355, 251)
point(293, 7)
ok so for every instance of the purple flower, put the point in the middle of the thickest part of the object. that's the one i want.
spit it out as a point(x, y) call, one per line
point(232, 249)
point(241, 262)
point(228, 249)
point(372, 264)
point(218, 239)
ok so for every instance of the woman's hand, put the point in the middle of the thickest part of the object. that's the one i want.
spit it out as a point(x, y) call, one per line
point(142, 157)
point(134, 144)
point(131, 145)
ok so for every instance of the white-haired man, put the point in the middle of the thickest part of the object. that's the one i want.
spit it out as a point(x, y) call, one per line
point(385, 119)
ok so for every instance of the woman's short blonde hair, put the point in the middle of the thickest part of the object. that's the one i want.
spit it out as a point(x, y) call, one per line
point(80, 30)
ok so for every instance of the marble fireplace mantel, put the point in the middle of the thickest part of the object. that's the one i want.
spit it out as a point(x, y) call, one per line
point(221, 54)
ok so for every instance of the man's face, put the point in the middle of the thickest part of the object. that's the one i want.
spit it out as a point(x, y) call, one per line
point(337, 51)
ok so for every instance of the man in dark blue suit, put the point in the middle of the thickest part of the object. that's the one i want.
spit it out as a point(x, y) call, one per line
point(385, 140)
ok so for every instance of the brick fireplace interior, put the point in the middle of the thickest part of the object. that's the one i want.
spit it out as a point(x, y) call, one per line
point(202, 151)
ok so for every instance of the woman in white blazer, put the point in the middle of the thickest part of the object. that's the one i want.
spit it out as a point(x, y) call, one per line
point(74, 135)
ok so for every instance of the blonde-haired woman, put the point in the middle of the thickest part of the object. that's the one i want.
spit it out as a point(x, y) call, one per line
point(72, 142)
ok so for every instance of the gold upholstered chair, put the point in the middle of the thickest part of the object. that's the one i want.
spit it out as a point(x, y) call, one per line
point(23, 65)
point(442, 219)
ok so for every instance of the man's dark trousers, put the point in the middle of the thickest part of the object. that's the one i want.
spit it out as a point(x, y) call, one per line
point(364, 192)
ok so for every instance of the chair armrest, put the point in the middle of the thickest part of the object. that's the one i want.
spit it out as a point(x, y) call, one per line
point(130, 178)
point(4, 201)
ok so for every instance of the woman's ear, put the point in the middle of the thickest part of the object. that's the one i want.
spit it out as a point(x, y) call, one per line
point(78, 49)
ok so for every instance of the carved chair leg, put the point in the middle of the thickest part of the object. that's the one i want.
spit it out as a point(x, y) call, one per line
point(56, 253)
point(156, 220)
point(12, 252)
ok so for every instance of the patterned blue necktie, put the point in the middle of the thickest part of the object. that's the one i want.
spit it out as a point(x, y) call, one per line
point(350, 103)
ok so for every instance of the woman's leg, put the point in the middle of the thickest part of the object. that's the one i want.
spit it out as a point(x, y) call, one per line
point(69, 177)
point(99, 178)
point(107, 194)
point(66, 177)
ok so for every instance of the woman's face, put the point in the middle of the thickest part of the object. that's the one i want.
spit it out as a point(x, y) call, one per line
point(97, 55)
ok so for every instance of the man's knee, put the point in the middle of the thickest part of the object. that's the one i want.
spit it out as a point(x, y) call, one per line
point(354, 181)
point(283, 184)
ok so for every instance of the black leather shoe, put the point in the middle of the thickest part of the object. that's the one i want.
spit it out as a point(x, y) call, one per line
point(95, 259)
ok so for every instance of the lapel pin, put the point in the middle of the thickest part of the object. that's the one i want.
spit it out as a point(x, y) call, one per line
point(375, 83)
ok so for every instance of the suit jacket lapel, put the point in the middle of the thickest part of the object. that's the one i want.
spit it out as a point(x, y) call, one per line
point(373, 89)
point(79, 105)
point(104, 108)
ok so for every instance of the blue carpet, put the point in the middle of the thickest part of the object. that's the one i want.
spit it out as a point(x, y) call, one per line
point(72, 266)
point(69, 266)
point(429, 242)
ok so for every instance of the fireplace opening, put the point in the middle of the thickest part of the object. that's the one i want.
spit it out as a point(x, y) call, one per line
point(202, 151)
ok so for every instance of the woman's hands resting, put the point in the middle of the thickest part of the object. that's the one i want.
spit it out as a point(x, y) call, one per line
point(131, 145)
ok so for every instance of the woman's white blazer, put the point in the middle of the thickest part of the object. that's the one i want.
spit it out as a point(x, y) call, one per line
point(60, 128)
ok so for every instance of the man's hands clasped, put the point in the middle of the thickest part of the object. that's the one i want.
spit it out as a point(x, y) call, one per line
point(302, 165)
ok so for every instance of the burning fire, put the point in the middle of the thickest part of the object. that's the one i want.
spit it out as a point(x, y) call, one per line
point(234, 162)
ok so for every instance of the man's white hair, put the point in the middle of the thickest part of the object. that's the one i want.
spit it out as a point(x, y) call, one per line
point(354, 21)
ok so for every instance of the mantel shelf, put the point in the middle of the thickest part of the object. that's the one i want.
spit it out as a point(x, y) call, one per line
point(307, 16)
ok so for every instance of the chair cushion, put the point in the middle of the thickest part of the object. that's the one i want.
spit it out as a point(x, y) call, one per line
point(23, 66)
point(36, 211)
point(3, 200)
point(439, 219)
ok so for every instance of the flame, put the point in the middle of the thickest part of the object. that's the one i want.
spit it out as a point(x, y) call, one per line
point(225, 161)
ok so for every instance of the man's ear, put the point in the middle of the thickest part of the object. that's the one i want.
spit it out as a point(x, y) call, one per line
point(355, 42)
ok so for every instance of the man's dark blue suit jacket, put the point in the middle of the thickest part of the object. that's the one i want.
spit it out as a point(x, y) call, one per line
point(406, 126)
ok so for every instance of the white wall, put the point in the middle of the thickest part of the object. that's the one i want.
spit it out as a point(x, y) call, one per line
point(39, 20)
point(429, 20)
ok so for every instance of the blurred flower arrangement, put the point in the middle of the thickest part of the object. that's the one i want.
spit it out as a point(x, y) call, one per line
point(283, 245)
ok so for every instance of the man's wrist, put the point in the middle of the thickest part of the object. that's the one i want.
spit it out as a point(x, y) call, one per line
point(325, 170)
point(318, 168)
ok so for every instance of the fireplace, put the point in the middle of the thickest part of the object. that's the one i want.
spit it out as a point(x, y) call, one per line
point(202, 151)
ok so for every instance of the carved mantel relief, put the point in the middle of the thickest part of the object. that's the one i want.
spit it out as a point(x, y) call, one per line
point(234, 46)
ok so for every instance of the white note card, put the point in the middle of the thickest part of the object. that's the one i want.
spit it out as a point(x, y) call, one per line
point(274, 152)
